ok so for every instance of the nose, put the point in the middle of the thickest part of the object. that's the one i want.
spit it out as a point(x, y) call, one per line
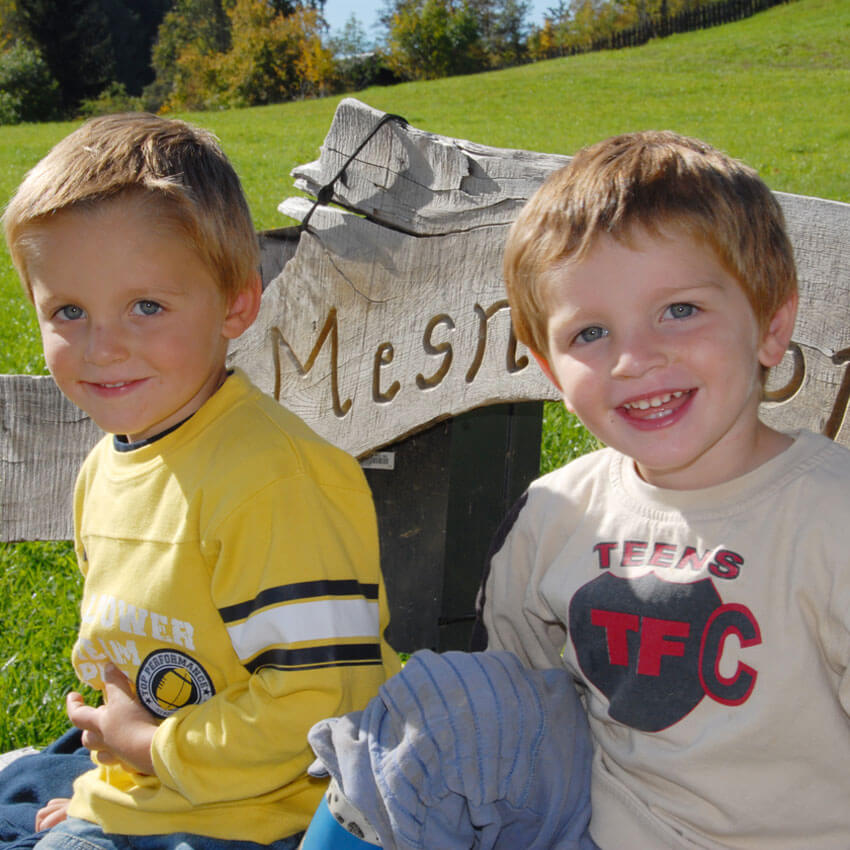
point(638, 353)
point(105, 344)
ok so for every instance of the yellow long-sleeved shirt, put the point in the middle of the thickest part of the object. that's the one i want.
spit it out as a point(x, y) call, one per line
point(232, 573)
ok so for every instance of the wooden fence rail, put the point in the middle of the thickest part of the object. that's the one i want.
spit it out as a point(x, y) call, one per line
point(662, 24)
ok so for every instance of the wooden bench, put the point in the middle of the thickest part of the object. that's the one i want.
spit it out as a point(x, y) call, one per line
point(385, 326)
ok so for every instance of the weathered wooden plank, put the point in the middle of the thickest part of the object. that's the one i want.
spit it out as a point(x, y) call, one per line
point(43, 440)
point(371, 334)
point(419, 182)
point(813, 384)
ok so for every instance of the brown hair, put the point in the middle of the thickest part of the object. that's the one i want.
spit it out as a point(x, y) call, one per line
point(178, 169)
point(652, 180)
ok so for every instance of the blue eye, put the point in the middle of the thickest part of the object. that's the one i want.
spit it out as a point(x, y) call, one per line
point(147, 308)
point(591, 334)
point(71, 312)
point(680, 311)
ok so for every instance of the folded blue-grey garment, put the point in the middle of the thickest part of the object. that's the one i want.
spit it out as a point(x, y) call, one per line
point(31, 781)
point(466, 750)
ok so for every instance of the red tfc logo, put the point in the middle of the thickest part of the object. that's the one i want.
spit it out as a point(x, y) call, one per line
point(654, 647)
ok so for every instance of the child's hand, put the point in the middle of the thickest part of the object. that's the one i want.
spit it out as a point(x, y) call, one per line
point(54, 812)
point(120, 730)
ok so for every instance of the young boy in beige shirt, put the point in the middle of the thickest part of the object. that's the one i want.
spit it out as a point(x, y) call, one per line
point(691, 578)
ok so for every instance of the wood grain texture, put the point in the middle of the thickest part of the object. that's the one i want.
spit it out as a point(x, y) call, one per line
point(43, 440)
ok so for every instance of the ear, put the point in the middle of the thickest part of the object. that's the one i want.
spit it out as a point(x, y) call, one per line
point(243, 309)
point(777, 337)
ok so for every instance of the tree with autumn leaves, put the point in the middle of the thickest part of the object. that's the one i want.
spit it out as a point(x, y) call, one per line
point(231, 53)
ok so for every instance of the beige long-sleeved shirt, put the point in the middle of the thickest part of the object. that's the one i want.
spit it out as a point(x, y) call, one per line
point(709, 632)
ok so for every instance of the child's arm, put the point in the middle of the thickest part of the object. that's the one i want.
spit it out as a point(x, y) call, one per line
point(303, 560)
point(120, 730)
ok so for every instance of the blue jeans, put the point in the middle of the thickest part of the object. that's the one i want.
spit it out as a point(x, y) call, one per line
point(76, 834)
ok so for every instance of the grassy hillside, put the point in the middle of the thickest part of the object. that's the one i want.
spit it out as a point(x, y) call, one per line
point(771, 90)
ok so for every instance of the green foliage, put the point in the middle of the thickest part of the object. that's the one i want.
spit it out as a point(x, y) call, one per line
point(429, 39)
point(28, 91)
point(510, 42)
point(11, 28)
point(359, 63)
point(355, 73)
point(113, 98)
point(193, 30)
point(504, 29)
point(248, 53)
point(92, 43)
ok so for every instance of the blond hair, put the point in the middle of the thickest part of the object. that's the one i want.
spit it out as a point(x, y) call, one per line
point(652, 180)
point(178, 169)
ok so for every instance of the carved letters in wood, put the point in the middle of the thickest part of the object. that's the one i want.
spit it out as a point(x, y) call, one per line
point(436, 342)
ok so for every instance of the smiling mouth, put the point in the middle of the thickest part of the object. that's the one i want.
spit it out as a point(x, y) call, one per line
point(656, 406)
point(111, 386)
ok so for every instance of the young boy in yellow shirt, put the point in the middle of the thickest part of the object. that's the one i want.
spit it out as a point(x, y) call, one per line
point(691, 577)
point(232, 590)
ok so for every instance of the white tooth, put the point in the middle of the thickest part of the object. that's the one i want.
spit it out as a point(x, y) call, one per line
point(643, 404)
point(678, 394)
point(655, 401)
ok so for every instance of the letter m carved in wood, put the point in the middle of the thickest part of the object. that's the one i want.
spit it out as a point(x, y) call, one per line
point(329, 330)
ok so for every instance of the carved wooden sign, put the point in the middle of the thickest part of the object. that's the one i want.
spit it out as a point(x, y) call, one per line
point(370, 334)
point(392, 314)
point(388, 313)
point(811, 389)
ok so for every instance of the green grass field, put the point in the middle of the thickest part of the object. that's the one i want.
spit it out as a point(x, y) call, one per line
point(771, 90)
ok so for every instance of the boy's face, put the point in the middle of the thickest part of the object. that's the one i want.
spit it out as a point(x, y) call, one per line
point(134, 327)
point(655, 347)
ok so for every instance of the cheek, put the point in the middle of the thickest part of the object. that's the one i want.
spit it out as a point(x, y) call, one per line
point(729, 360)
point(57, 349)
point(580, 390)
point(63, 364)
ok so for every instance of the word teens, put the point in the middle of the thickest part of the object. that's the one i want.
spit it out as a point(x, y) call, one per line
point(106, 612)
point(383, 389)
point(721, 563)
